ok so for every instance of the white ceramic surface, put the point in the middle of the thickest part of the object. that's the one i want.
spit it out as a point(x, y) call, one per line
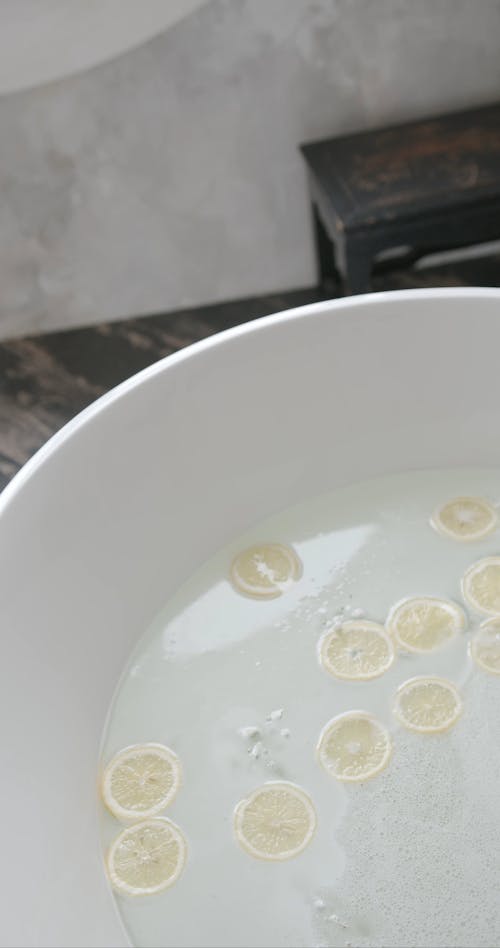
point(46, 40)
point(123, 504)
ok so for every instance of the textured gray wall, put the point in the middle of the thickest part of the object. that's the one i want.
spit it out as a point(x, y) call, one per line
point(170, 177)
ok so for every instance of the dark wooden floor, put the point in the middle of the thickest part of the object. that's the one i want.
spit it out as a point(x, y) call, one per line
point(45, 380)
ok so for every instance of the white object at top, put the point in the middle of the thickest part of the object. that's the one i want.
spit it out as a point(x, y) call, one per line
point(43, 40)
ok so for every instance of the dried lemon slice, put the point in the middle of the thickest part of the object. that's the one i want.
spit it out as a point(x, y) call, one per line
point(357, 649)
point(465, 518)
point(428, 704)
point(481, 585)
point(275, 822)
point(141, 781)
point(147, 857)
point(485, 646)
point(266, 570)
point(422, 624)
point(354, 746)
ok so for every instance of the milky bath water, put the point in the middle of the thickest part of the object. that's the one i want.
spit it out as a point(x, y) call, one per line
point(235, 687)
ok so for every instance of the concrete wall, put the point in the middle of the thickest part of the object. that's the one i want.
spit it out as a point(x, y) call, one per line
point(170, 176)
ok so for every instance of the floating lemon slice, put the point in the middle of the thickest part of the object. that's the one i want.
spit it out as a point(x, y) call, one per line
point(465, 518)
point(428, 704)
point(357, 649)
point(485, 646)
point(266, 570)
point(147, 857)
point(422, 624)
point(354, 746)
point(141, 781)
point(275, 822)
point(481, 585)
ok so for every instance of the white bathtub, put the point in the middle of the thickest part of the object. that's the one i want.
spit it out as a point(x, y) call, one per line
point(128, 499)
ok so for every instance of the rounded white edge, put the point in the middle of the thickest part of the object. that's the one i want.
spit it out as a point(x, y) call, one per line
point(27, 471)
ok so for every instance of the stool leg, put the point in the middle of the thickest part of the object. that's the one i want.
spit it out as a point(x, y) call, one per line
point(358, 268)
point(325, 252)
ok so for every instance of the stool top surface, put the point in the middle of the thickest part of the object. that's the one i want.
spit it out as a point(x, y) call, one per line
point(402, 171)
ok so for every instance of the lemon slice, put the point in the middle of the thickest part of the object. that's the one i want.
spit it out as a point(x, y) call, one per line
point(354, 746)
point(485, 646)
point(277, 821)
point(422, 624)
point(357, 649)
point(141, 781)
point(481, 585)
point(266, 570)
point(465, 518)
point(147, 857)
point(428, 704)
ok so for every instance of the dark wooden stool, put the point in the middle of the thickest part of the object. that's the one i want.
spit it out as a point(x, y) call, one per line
point(423, 186)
